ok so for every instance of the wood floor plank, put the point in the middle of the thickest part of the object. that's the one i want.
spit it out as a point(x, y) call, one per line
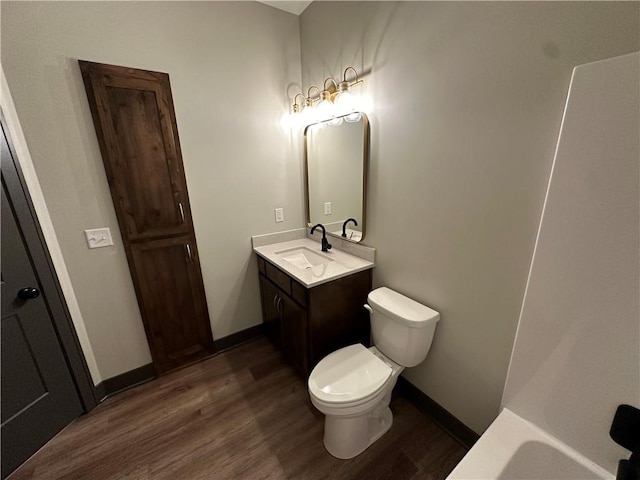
point(243, 414)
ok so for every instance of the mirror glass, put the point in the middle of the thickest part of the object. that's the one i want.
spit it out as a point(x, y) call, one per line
point(337, 154)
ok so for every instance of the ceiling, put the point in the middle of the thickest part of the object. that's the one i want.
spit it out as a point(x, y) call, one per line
point(292, 6)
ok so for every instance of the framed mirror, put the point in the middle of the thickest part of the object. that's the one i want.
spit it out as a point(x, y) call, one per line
point(336, 157)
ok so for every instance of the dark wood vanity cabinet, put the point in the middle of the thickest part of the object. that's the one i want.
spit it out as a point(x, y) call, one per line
point(309, 323)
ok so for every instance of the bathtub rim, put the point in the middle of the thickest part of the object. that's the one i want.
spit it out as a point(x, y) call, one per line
point(495, 448)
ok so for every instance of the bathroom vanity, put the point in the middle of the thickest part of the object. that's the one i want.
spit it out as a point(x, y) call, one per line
point(312, 302)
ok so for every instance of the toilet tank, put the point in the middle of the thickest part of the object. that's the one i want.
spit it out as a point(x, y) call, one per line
point(401, 328)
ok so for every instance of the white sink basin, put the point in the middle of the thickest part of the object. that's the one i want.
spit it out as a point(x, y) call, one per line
point(303, 260)
point(303, 257)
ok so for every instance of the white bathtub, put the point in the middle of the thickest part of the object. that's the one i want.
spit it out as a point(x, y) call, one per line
point(514, 449)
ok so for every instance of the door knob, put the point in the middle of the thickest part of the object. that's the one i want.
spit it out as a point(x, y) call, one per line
point(28, 293)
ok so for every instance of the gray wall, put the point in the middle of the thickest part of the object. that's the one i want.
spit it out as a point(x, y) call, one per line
point(230, 65)
point(467, 104)
point(577, 356)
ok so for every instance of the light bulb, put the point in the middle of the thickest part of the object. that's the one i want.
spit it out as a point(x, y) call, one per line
point(344, 101)
point(324, 110)
point(308, 115)
point(325, 107)
point(287, 121)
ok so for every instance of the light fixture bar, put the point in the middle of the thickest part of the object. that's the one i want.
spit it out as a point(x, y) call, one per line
point(331, 102)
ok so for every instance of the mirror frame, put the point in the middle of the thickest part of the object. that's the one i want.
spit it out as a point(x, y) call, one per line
point(365, 175)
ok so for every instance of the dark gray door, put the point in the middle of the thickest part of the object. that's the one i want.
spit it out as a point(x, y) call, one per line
point(38, 394)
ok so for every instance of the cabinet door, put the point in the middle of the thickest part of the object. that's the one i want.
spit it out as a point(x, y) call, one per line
point(172, 303)
point(270, 310)
point(294, 334)
point(134, 118)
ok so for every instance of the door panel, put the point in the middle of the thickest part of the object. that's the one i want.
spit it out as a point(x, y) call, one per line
point(172, 298)
point(270, 313)
point(22, 383)
point(154, 198)
point(38, 394)
point(136, 128)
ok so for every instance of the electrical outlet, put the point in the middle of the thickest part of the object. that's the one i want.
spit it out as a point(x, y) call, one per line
point(327, 208)
point(98, 237)
point(279, 215)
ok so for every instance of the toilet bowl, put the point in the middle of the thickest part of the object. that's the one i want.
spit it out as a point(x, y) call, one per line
point(352, 386)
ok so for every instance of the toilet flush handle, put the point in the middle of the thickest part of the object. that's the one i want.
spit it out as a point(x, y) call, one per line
point(366, 305)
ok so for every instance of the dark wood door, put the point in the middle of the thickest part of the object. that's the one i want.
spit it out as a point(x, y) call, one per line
point(174, 300)
point(136, 127)
point(38, 394)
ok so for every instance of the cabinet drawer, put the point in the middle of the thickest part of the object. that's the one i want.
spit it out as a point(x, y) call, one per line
point(278, 277)
point(261, 265)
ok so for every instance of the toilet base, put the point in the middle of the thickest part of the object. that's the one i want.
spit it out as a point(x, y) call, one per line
point(348, 437)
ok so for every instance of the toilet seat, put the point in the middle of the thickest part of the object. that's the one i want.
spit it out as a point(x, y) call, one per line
point(353, 386)
point(348, 377)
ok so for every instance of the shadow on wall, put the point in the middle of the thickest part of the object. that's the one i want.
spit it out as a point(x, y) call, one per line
point(352, 51)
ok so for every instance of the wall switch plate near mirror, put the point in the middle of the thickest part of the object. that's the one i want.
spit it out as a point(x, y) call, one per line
point(336, 158)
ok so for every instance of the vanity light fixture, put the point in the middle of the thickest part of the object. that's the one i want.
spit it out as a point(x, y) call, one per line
point(309, 113)
point(344, 100)
point(333, 101)
point(325, 107)
point(295, 108)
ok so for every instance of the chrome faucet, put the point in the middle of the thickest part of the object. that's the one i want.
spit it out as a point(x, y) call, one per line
point(326, 246)
point(344, 226)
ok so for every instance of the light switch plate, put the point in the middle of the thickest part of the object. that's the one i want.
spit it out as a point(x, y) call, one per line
point(279, 215)
point(98, 237)
point(327, 208)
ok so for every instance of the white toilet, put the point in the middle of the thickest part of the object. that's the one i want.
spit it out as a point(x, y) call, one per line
point(352, 386)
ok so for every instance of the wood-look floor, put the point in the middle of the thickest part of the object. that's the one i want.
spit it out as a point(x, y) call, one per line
point(243, 414)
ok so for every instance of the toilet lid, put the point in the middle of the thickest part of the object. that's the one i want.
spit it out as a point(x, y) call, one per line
point(349, 374)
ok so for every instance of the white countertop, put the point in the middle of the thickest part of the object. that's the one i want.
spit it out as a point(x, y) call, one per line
point(342, 263)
